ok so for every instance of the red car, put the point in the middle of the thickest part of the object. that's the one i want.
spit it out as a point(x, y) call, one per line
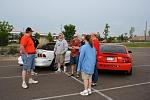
point(115, 57)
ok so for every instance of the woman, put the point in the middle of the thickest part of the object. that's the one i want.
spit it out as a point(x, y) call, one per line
point(86, 65)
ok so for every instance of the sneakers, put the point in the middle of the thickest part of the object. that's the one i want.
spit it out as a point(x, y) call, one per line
point(65, 69)
point(89, 91)
point(94, 84)
point(59, 70)
point(77, 75)
point(31, 81)
point(33, 73)
point(84, 93)
point(24, 85)
point(69, 75)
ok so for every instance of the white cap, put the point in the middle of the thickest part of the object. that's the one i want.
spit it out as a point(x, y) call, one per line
point(75, 34)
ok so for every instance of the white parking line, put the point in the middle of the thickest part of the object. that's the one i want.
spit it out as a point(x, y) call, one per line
point(94, 91)
point(20, 76)
point(141, 65)
point(100, 93)
point(10, 66)
point(125, 86)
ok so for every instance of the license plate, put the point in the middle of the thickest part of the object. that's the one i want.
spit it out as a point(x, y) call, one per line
point(110, 58)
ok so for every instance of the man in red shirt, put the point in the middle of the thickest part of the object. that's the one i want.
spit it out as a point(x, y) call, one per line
point(27, 51)
point(74, 46)
point(96, 45)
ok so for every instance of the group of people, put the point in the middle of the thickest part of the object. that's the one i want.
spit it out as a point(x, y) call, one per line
point(83, 58)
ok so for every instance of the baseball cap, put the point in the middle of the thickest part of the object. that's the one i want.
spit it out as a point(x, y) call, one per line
point(29, 29)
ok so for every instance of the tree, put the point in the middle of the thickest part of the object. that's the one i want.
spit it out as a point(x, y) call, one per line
point(5, 28)
point(132, 30)
point(125, 37)
point(37, 35)
point(50, 37)
point(106, 31)
point(69, 31)
point(20, 36)
point(121, 37)
point(149, 33)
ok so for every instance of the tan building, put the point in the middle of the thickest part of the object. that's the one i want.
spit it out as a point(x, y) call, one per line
point(141, 38)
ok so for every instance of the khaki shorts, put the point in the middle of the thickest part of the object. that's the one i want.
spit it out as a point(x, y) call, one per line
point(60, 58)
point(86, 76)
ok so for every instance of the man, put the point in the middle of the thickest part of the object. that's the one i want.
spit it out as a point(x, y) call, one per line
point(36, 45)
point(60, 50)
point(27, 51)
point(74, 46)
point(96, 45)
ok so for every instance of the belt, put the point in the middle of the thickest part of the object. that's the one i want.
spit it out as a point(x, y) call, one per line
point(31, 53)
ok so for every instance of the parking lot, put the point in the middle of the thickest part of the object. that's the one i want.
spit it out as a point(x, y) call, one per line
point(58, 86)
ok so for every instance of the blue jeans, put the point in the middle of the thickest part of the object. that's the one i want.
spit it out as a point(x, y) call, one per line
point(95, 75)
point(28, 62)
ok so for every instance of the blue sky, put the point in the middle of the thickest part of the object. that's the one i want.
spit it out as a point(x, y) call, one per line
point(88, 15)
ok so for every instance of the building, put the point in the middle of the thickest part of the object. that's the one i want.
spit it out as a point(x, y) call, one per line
point(140, 38)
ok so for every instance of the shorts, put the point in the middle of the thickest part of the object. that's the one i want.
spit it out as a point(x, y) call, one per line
point(28, 62)
point(86, 76)
point(60, 58)
point(74, 60)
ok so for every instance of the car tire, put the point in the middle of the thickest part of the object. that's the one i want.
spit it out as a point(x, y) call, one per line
point(129, 72)
point(53, 66)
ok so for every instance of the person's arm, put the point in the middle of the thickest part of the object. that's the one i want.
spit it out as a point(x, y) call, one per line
point(65, 47)
point(55, 48)
point(81, 57)
point(23, 44)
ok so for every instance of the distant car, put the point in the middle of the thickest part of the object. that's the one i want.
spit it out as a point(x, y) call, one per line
point(45, 56)
point(115, 57)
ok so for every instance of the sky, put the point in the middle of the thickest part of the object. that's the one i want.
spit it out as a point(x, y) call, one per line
point(87, 15)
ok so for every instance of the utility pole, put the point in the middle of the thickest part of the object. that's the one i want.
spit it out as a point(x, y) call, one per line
point(145, 30)
point(61, 28)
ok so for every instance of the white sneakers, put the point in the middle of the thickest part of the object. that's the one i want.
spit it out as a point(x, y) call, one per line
point(86, 92)
point(24, 85)
point(31, 81)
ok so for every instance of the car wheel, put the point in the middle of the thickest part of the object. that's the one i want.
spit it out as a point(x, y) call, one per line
point(129, 72)
point(53, 66)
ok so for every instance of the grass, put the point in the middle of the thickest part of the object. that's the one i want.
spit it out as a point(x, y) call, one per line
point(137, 44)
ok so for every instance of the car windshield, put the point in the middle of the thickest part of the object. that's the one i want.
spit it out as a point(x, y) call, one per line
point(112, 49)
point(49, 46)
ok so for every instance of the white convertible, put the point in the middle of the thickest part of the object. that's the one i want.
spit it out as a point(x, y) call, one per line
point(45, 56)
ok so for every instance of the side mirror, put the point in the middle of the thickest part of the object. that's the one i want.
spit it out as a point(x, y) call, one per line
point(130, 51)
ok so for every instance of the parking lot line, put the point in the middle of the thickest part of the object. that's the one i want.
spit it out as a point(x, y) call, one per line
point(141, 65)
point(20, 76)
point(125, 86)
point(94, 91)
point(10, 66)
point(100, 93)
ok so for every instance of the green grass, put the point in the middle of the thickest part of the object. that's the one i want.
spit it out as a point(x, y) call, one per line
point(137, 44)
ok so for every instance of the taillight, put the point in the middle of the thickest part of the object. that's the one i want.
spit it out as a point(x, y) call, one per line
point(124, 59)
point(101, 59)
point(42, 55)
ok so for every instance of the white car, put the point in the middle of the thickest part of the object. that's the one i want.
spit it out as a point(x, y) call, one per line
point(45, 56)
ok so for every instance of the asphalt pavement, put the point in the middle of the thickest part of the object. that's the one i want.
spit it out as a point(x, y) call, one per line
point(58, 86)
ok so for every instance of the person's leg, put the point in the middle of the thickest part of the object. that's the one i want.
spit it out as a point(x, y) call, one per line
point(76, 66)
point(24, 71)
point(85, 81)
point(86, 84)
point(95, 77)
point(89, 85)
point(30, 67)
point(33, 67)
point(57, 62)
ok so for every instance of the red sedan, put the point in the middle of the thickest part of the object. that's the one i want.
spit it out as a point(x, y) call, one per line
point(115, 57)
